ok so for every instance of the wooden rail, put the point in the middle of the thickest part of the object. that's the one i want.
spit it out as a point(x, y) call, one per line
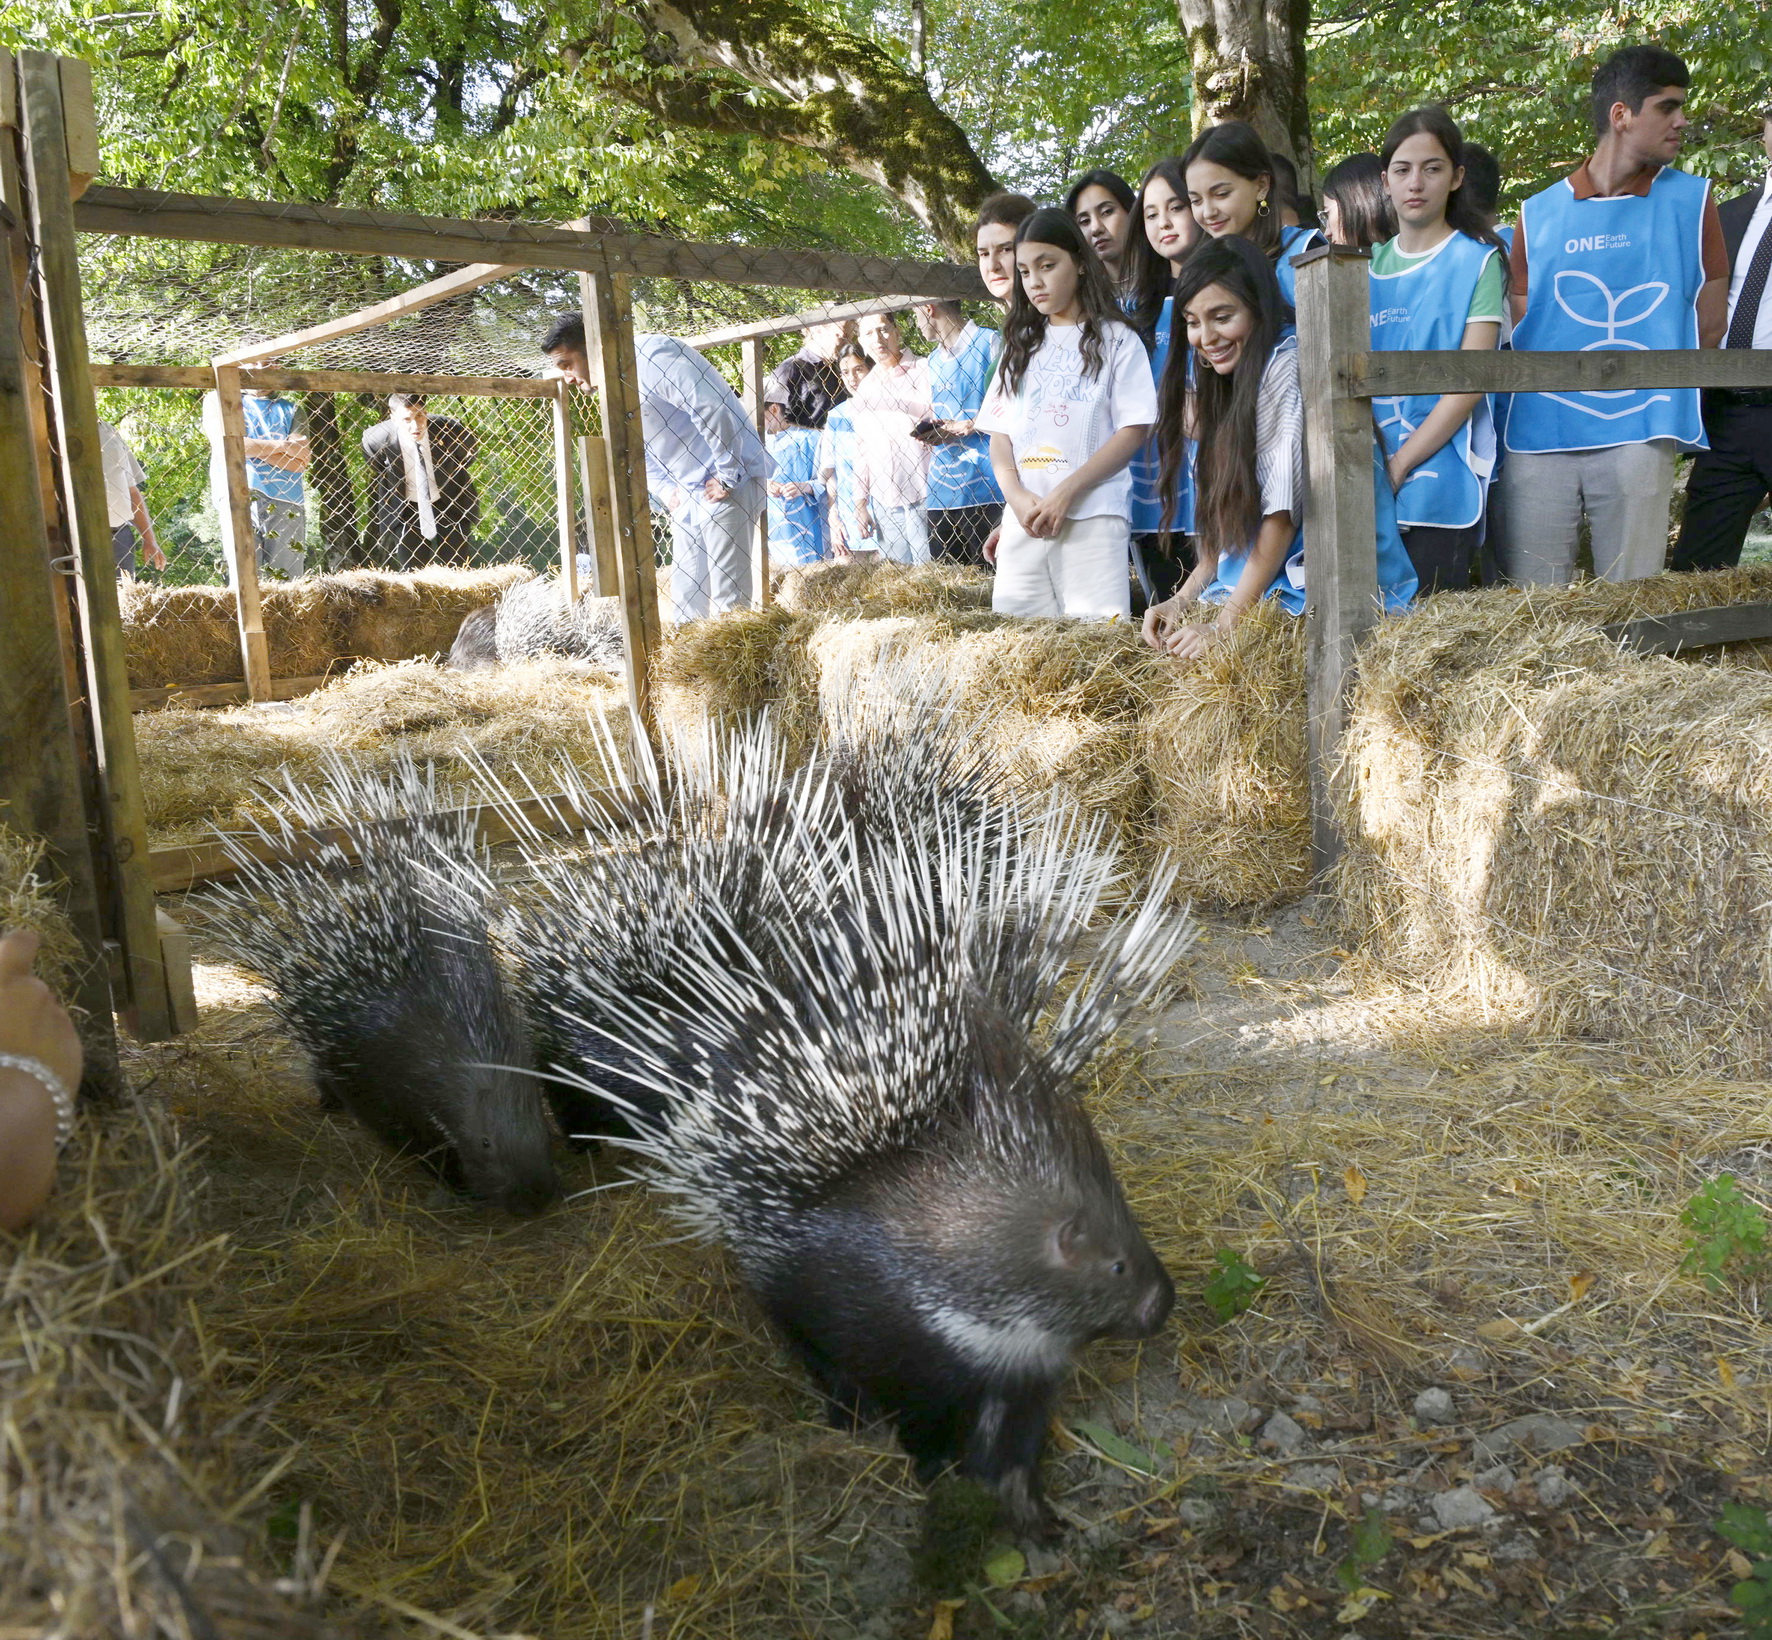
point(605, 251)
point(201, 377)
point(1386, 375)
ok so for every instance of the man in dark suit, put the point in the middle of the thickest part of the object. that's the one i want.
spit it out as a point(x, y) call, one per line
point(423, 504)
point(1730, 481)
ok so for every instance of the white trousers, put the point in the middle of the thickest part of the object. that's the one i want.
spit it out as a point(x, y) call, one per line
point(713, 549)
point(1081, 572)
point(902, 533)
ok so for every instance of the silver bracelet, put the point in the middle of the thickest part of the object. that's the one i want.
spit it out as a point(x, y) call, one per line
point(58, 1092)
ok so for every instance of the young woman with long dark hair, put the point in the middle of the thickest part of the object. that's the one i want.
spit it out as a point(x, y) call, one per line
point(1241, 401)
point(1230, 182)
point(1357, 209)
point(1103, 203)
point(1072, 402)
point(1440, 283)
point(1163, 234)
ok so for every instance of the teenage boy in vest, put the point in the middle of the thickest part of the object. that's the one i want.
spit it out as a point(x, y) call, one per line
point(1626, 253)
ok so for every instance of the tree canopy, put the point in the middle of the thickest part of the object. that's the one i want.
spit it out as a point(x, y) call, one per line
point(816, 122)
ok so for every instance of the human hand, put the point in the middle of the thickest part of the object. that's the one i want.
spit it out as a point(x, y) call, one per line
point(776, 490)
point(1191, 642)
point(32, 1023)
point(1046, 517)
point(156, 559)
point(958, 428)
point(1160, 622)
point(714, 490)
point(1397, 471)
point(864, 520)
point(990, 546)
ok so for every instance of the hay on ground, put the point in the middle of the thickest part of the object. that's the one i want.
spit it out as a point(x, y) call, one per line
point(206, 770)
point(871, 587)
point(1564, 834)
point(176, 636)
point(27, 900)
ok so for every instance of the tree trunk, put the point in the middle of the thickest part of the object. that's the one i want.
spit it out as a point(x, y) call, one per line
point(331, 479)
point(1249, 64)
point(773, 69)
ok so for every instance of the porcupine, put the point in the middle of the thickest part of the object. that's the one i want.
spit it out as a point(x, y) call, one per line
point(531, 619)
point(837, 1073)
point(375, 942)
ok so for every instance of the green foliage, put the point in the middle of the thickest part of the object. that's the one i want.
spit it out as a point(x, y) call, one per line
point(1750, 1532)
point(1233, 1284)
point(1728, 1234)
point(1119, 1449)
point(1516, 77)
point(1371, 1542)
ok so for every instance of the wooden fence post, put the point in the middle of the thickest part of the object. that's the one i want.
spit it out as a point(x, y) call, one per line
point(609, 339)
point(563, 502)
point(753, 402)
point(1341, 527)
point(41, 779)
point(593, 478)
point(123, 824)
point(239, 545)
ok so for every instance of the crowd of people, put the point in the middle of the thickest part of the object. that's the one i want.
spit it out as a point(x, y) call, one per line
point(1133, 433)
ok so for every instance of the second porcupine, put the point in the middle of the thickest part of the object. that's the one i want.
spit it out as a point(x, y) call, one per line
point(382, 969)
point(856, 1101)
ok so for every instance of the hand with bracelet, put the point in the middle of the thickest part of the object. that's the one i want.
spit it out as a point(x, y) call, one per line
point(40, 1063)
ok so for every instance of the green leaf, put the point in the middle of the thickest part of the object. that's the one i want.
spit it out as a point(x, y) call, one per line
point(1233, 1284)
point(1122, 1451)
point(1005, 1566)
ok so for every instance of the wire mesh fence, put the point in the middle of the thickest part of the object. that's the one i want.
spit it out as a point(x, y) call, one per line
point(348, 508)
point(864, 450)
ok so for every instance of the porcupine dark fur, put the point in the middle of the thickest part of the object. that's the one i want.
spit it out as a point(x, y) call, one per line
point(853, 1095)
point(382, 969)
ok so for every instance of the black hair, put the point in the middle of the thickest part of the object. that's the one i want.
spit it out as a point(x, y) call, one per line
point(1356, 184)
point(406, 401)
point(1433, 121)
point(566, 331)
point(1286, 186)
point(946, 304)
point(1148, 276)
point(1227, 490)
point(1004, 210)
point(1632, 75)
point(1024, 329)
point(1111, 181)
point(1482, 178)
point(1236, 147)
point(852, 350)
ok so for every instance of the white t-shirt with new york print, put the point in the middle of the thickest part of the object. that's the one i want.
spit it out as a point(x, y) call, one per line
point(1058, 417)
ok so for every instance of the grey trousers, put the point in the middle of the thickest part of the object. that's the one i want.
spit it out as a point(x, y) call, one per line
point(713, 550)
point(1625, 493)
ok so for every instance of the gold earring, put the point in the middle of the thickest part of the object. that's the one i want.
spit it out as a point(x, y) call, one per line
point(1261, 209)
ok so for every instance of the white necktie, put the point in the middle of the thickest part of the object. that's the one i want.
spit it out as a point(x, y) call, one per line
point(421, 480)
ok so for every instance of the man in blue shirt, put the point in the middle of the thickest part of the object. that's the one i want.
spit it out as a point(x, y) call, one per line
point(964, 503)
point(277, 454)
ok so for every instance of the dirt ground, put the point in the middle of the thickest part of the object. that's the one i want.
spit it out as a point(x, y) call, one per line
point(1473, 1393)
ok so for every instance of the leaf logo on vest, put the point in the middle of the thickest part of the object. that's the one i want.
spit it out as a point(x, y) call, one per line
point(1590, 301)
point(1391, 413)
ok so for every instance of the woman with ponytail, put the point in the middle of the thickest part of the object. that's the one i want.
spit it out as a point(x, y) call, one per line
point(1230, 184)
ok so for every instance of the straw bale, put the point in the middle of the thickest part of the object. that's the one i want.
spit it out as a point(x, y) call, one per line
point(736, 664)
point(206, 770)
point(27, 900)
point(1226, 745)
point(1563, 834)
point(871, 587)
point(116, 1403)
point(175, 636)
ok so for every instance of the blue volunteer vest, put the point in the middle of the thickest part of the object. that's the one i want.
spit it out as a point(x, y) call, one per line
point(1293, 242)
point(960, 474)
point(796, 523)
point(1147, 466)
point(840, 430)
point(1425, 306)
point(1397, 583)
point(1620, 272)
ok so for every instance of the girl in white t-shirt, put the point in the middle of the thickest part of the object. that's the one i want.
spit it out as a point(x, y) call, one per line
point(1071, 405)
